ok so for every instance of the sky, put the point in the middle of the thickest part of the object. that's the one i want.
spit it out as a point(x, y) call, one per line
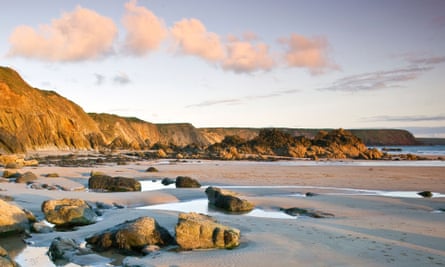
point(249, 63)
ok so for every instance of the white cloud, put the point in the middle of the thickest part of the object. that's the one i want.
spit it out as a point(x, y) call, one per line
point(78, 35)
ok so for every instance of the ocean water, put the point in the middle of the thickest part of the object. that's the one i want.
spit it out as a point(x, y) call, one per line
point(438, 150)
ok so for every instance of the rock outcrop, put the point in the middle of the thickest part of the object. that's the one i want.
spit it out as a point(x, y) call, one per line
point(132, 236)
point(227, 200)
point(307, 212)
point(198, 231)
point(68, 212)
point(105, 183)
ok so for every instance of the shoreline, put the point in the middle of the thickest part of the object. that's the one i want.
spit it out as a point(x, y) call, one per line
point(367, 230)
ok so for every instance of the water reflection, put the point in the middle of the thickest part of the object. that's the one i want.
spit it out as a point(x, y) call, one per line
point(202, 206)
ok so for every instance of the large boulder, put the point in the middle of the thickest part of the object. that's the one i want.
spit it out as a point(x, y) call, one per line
point(12, 219)
point(26, 178)
point(187, 182)
point(5, 260)
point(227, 200)
point(199, 231)
point(68, 212)
point(132, 236)
point(113, 184)
point(63, 250)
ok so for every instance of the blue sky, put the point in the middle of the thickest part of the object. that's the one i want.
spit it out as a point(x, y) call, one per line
point(349, 64)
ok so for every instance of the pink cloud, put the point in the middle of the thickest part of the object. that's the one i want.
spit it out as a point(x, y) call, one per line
point(191, 37)
point(145, 31)
point(308, 53)
point(247, 57)
point(78, 35)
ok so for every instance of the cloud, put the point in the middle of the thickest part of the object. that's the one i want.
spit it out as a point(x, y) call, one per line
point(417, 118)
point(145, 31)
point(192, 38)
point(232, 101)
point(78, 35)
point(310, 53)
point(122, 79)
point(100, 79)
point(247, 57)
point(386, 79)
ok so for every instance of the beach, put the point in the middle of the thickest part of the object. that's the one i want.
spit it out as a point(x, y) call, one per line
point(379, 220)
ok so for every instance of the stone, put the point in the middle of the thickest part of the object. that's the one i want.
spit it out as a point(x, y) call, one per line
point(227, 200)
point(52, 175)
point(65, 250)
point(307, 212)
point(5, 260)
point(187, 182)
point(425, 194)
point(168, 181)
point(12, 219)
point(113, 184)
point(42, 227)
point(152, 169)
point(131, 236)
point(199, 231)
point(68, 212)
point(26, 177)
point(10, 174)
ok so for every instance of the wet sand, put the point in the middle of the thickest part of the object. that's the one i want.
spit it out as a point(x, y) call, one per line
point(367, 230)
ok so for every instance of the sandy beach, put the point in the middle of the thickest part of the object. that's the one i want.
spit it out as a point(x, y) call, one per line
point(379, 220)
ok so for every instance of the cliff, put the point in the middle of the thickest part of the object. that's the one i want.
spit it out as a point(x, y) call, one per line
point(34, 119)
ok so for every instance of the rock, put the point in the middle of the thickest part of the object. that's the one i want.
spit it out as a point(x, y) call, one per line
point(64, 250)
point(152, 169)
point(131, 236)
point(310, 194)
point(9, 174)
point(5, 260)
point(425, 194)
point(68, 212)
point(227, 200)
point(52, 175)
point(113, 184)
point(168, 181)
point(42, 227)
point(187, 182)
point(12, 219)
point(13, 165)
point(307, 212)
point(198, 231)
point(26, 177)
point(103, 206)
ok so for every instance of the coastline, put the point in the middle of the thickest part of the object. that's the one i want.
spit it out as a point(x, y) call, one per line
point(367, 230)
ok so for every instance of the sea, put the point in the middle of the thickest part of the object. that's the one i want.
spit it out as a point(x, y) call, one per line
point(436, 150)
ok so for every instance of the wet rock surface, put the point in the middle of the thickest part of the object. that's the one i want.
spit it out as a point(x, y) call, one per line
point(107, 183)
point(187, 182)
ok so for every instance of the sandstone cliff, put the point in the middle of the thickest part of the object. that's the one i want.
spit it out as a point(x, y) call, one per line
point(36, 119)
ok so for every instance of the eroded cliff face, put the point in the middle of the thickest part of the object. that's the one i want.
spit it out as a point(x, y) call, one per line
point(123, 132)
point(36, 119)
